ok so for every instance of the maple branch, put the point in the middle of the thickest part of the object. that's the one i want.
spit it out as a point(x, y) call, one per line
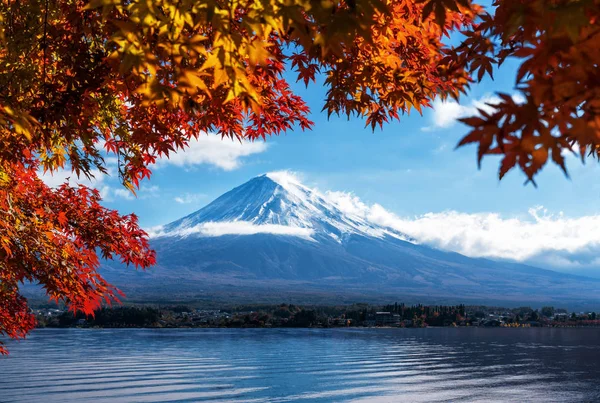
point(44, 47)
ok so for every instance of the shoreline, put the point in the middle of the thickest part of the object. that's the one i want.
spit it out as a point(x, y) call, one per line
point(317, 327)
point(295, 316)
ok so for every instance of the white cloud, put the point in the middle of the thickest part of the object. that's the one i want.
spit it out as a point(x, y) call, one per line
point(111, 161)
point(538, 238)
point(110, 194)
point(446, 113)
point(286, 178)
point(189, 198)
point(98, 181)
point(490, 235)
point(211, 149)
point(107, 193)
point(60, 176)
point(348, 203)
point(122, 193)
point(214, 229)
point(147, 192)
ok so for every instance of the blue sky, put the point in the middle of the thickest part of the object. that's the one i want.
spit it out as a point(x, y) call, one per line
point(410, 168)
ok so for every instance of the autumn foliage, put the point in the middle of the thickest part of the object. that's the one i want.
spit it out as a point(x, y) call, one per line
point(137, 79)
point(54, 236)
point(558, 44)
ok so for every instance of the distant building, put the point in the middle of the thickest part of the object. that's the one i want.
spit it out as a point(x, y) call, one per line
point(561, 316)
point(387, 319)
point(341, 321)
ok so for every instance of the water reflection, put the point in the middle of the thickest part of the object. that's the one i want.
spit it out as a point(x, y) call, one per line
point(303, 365)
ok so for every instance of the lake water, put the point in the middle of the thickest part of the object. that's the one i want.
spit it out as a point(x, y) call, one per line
point(303, 365)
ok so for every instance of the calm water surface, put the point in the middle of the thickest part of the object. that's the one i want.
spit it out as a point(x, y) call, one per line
point(303, 365)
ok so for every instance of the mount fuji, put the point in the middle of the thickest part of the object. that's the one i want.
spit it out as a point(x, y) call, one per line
point(273, 239)
point(276, 203)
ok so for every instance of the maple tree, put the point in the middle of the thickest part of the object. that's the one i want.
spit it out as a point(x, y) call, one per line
point(138, 79)
point(558, 42)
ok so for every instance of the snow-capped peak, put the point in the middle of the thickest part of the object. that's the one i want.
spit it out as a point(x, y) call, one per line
point(278, 203)
point(286, 179)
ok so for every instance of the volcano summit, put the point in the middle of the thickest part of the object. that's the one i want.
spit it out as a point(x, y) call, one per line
point(274, 239)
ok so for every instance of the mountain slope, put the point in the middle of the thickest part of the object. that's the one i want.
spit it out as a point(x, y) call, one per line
point(277, 199)
point(273, 237)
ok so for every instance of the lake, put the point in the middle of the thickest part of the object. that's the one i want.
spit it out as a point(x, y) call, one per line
point(303, 365)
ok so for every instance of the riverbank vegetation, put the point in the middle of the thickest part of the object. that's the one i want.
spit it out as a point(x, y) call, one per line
point(291, 315)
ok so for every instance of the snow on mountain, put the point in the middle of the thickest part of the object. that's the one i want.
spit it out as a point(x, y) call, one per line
point(275, 203)
point(273, 237)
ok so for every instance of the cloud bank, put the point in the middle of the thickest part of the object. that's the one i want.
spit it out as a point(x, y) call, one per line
point(210, 149)
point(445, 114)
point(97, 181)
point(233, 228)
point(189, 198)
point(60, 176)
point(538, 237)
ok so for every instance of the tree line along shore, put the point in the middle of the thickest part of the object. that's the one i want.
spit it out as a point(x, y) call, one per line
point(291, 315)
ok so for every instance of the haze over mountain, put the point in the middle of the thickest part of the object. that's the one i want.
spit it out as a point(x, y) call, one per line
point(274, 239)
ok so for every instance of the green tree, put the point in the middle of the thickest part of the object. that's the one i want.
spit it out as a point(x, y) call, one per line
point(548, 311)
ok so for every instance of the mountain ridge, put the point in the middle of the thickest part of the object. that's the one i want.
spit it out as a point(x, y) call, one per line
point(277, 198)
point(272, 235)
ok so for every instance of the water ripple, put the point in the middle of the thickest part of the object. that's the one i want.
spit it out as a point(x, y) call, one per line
point(302, 365)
